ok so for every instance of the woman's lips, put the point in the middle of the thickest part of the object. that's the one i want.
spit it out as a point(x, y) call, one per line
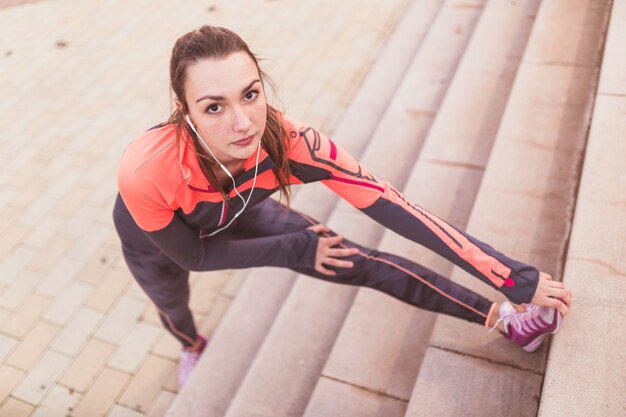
point(245, 141)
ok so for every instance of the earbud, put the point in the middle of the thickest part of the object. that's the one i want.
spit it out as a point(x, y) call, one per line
point(189, 122)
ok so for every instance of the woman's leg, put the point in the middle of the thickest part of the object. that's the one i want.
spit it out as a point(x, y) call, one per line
point(396, 276)
point(409, 282)
point(165, 283)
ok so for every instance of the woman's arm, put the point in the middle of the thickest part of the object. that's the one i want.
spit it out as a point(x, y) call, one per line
point(316, 158)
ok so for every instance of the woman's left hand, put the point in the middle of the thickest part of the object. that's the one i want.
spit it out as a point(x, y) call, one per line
point(327, 253)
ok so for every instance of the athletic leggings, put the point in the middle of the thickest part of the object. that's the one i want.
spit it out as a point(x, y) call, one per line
point(167, 284)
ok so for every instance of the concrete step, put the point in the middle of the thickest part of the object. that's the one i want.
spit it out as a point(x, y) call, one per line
point(378, 352)
point(288, 365)
point(595, 267)
point(241, 331)
point(524, 209)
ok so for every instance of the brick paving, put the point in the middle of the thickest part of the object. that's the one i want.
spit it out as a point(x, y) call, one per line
point(79, 80)
point(10, 3)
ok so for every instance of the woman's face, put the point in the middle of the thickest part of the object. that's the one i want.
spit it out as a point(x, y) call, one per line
point(227, 105)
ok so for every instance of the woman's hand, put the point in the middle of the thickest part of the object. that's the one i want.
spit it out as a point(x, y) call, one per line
point(551, 293)
point(326, 254)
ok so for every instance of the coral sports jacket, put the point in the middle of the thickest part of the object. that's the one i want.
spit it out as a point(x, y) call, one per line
point(170, 199)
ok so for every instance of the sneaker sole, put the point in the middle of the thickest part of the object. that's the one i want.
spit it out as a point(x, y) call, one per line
point(534, 345)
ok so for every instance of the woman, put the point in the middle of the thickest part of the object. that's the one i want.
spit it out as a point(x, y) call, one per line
point(194, 196)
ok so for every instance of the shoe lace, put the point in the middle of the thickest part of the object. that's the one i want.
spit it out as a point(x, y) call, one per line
point(517, 318)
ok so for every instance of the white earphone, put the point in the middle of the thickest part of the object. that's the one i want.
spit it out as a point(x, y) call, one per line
point(256, 170)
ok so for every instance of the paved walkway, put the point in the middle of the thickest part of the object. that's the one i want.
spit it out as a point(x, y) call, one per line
point(79, 80)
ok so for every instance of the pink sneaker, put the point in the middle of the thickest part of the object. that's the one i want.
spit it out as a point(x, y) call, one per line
point(528, 329)
point(188, 361)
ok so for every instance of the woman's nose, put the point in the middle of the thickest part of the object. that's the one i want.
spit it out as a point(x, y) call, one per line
point(241, 122)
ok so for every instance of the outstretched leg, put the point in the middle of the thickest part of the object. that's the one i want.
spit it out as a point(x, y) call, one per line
point(410, 282)
point(398, 277)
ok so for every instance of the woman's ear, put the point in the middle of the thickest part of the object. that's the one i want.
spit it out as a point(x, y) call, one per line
point(179, 105)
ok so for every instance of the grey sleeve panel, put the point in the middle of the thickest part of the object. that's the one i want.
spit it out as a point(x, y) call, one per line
point(524, 278)
point(182, 245)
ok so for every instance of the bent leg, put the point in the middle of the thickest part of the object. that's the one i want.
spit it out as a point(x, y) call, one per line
point(163, 281)
point(271, 218)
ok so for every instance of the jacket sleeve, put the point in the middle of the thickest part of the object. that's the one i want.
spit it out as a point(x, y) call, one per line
point(316, 158)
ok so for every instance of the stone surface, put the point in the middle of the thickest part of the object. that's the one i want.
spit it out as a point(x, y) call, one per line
point(336, 398)
point(433, 67)
point(59, 402)
point(77, 331)
point(108, 290)
point(595, 386)
point(596, 272)
point(145, 388)
point(287, 366)
point(473, 110)
point(475, 340)
point(12, 267)
point(120, 320)
point(408, 120)
point(20, 322)
point(511, 392)
point(67, 303)
point(10, 378)
point(613, 80)
point(380, 346)
point(134, 348)
point(31, 347)
point(19, 290)
point(40, 379)
point(16, 408)
point(481, 85)
point(102, 394)
point(121, 411)
point(162, 403)
point(578, 42)
point(232, 348)
point(602, 192)
point(86, 365)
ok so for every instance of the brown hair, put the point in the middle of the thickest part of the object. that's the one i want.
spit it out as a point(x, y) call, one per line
point(217, 42)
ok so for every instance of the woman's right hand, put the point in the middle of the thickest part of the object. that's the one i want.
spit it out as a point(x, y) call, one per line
point(327, 253)
point(551, 293)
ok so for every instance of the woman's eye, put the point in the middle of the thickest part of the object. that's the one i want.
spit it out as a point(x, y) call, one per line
point(251, 95)
point(213, 108)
